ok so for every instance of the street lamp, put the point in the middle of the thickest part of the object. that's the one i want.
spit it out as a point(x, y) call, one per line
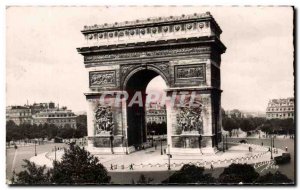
point(169, 158)
point(55, 153)
point(161, 149)
point(153, 132)
point(35, 148)
point(200, 139)
point(226, 143)
point(223, 139)
point(126, 146)
point(271, 148)
point(111, 143)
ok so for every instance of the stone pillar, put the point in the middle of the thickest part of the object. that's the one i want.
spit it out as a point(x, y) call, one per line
point(189, 116)
point(106, 131)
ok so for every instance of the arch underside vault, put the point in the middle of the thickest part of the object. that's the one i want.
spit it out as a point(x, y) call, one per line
point(189, 66)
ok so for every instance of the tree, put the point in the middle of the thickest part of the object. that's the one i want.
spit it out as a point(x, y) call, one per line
point(229, 124)
point(247, 125)
point(76, 167)
point(236, 173)
point(32, 174)
point(190, 174)
point(79, 167)
point(277, 178)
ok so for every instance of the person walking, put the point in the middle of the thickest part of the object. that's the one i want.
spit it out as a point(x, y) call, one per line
point(131, 167)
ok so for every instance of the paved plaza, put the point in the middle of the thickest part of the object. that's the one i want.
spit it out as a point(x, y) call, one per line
point(152, 160)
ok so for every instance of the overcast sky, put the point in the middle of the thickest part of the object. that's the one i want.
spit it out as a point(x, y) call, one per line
point(43, 64)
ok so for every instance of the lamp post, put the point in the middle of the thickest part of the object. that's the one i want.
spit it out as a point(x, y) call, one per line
point(169, 158)
point(271, 148)
point(226, 143)
point(161, 149)
point(273, 142)
point(55, 153)
point(153, 132)
point(111, 143)
point(200, 139)
point(35, 148)
point(223, 139)
point(126, 145)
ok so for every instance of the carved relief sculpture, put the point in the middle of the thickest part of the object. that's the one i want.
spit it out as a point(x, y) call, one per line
point(102, 78)
point(144, 54)
point(190, 73)
point(190, 120)
point(103, 120)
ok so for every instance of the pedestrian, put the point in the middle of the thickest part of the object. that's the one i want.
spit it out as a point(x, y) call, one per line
point(211, 167)
point(262, 143)
point(131, 166)
point(249, 149)
point(111, 167)
point(286, 148)
point(155, 145)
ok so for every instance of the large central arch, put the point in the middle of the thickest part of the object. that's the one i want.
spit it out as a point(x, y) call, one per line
point(136, 82)
point(123, 57)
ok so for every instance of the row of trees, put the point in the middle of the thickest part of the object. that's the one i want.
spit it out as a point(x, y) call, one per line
point(159, 128)
point(28, 131)
point(233, 174)
point(278, 126)
point(78, 166)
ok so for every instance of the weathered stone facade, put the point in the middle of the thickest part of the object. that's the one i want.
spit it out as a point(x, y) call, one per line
point(185, 51)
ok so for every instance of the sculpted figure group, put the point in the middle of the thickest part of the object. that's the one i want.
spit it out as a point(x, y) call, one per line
point(104, 119)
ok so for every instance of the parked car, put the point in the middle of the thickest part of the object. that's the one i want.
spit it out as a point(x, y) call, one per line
point(283, 159)
point(243, 141)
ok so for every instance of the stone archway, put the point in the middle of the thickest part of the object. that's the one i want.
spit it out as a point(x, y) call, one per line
point(124, 57)
point(136, 114)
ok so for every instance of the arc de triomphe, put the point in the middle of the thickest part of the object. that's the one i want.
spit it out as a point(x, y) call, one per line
point(124, 57)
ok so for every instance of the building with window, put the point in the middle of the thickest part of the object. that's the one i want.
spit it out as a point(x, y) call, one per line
point(41, 113)
point(156, 113)
point(280, 108)
point(19, 114)
point(58, 117)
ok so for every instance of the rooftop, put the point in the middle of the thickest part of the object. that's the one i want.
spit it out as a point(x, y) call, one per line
point(149, 21)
